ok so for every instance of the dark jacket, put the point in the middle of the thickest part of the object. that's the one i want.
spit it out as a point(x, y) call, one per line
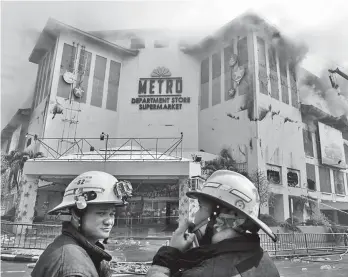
point(71, 254)
point(240, 257)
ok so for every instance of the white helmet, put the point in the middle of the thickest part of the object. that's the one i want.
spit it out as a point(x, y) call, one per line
point(234, 190)
point(94, 187)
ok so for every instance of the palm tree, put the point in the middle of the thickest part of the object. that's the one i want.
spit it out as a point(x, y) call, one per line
point(224, 161)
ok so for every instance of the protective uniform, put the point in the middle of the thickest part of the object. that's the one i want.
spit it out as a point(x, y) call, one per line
point(71, 254)
point(238, 256)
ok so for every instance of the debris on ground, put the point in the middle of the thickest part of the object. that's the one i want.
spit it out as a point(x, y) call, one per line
point(130, 268)
point(304, 269)
point(327, 267)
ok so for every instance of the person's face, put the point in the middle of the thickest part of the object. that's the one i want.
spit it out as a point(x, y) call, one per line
point(98, 221)
point(205, 210)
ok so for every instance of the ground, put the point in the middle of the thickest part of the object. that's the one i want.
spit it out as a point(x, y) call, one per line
point(286, 268)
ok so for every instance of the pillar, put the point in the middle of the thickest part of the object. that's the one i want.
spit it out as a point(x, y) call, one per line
point(286, 205)
point(187, 206)
point(26, 201)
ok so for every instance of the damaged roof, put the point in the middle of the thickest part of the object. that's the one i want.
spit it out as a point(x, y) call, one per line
point(340, 123)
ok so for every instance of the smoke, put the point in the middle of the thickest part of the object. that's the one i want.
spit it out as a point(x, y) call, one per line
point(315, 91)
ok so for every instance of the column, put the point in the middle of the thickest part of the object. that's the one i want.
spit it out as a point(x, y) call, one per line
point(286, 206)
point(26, 201)
point(187, 207)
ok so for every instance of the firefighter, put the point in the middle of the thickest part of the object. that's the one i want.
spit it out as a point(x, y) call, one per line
point(90, 199)
point(226, 229)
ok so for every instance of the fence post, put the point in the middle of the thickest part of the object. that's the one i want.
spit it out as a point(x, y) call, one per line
point(305, 237)
point(275, 246)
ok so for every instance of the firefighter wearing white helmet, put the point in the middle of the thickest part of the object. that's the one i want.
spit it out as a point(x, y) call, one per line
point(90, 199)
point(225, 231)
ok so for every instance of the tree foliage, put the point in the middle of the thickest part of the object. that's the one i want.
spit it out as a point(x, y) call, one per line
point(12, 165)
point(226, 161)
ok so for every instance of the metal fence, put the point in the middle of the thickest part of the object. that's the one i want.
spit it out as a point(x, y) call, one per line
point(38, 236)
point(105, 148)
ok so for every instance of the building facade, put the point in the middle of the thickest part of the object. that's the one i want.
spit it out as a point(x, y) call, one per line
point(141, 105)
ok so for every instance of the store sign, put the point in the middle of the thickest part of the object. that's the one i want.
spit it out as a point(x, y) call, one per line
point(160, 91)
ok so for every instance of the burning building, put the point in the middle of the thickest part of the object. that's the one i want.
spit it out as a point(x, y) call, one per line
point(150, 107)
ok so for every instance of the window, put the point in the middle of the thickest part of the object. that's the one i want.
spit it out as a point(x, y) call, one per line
point(137, 43)
point(274, 174)
point(205, 71)
point(272, 59)
point(324, 179)
point(310, 169)
point(308, 143)
point(37, 86)
point(261, 50)
point(284, 81)
point(161, 43)
point(216, 88)
point(28, 142)
point(114, 80)
point(67, 64)
point(242, 46)
point(293, 178)
point(245, 85)
point(293, 87)
point(317, 142)
point(228, 52)
point(339, 182)
point(98, 81)
point(205, 84)
point(48, 78)
point(42, 79)
point(84, 69)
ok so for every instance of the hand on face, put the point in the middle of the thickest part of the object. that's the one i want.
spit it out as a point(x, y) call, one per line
point(181, 240)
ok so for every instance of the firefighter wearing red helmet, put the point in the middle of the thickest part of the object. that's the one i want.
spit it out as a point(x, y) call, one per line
point(225, 232)
point(90, 199)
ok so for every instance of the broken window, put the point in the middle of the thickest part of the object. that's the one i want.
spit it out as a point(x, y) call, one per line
point(293, 178)
point(308, 143)
point(273, 174)
point(310, 168)
point(28, 142)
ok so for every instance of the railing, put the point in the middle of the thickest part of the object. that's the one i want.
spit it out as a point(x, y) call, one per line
point(110, 148)
point(151, 229)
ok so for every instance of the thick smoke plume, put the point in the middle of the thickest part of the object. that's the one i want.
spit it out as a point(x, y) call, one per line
point(314, 91)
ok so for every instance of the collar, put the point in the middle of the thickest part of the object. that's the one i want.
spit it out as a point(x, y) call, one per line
point(245, 243)
point(96, 251)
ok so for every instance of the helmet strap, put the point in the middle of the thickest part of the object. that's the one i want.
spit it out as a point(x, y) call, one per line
point(76, 216)
point(209, 231)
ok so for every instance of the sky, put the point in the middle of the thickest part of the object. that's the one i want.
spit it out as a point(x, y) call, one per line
point(322, 25)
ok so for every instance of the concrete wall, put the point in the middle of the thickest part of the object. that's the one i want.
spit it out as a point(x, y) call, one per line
point(128, 120)
point(160, 123)
point(226, 123)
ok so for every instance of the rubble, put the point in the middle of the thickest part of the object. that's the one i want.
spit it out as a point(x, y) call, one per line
point(325, 267)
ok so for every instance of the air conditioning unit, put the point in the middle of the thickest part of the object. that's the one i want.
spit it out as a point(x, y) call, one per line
point(196, 183)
